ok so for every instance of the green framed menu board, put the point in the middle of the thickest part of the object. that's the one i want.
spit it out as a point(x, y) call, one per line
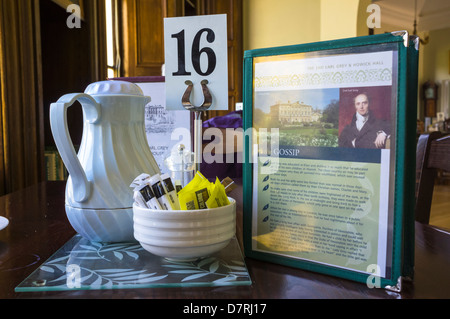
point(329, 162)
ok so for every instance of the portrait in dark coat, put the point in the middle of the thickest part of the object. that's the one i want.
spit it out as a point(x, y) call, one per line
point(365, 130)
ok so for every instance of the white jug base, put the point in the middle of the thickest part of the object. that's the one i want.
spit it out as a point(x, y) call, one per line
point(102, 225)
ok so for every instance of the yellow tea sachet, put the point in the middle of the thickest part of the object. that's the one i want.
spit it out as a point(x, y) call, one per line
point(200, 193)
point(218, 195)
point(195, 194)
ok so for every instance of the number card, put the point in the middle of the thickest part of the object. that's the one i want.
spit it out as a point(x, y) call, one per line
point(196, 50)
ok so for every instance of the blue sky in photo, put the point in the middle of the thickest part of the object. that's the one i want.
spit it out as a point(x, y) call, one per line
point(318, 98)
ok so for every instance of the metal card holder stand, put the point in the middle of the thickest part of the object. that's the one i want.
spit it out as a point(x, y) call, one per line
point(197, 110)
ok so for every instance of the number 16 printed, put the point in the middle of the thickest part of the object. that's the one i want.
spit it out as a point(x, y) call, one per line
point(196, 50)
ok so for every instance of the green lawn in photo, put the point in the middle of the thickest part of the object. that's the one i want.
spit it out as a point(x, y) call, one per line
point(313, 134)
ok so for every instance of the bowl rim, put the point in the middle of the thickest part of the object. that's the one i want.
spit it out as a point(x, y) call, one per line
point(180, 211)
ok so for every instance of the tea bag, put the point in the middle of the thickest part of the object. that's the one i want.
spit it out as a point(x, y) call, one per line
point(228, 184)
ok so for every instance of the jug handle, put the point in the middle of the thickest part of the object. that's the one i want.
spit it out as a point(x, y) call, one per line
point(60, 131)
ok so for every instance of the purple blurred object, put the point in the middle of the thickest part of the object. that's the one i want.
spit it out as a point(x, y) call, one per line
point(232, 120)
point(222, 170)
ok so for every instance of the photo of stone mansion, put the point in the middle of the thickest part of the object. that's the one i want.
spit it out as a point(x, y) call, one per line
point(294, 113)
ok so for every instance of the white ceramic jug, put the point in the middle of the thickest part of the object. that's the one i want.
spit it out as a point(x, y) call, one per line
point(113, 151)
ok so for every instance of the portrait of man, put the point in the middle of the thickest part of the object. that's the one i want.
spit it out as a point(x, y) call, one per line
point(365, 129)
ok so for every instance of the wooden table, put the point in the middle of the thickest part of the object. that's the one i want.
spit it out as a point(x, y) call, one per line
point(38, 227)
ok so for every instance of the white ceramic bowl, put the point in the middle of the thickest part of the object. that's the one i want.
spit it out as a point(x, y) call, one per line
point(185, 234)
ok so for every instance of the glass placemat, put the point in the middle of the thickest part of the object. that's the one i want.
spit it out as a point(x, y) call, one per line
point(82, 264)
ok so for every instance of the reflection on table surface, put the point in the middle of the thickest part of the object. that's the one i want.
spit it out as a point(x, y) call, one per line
point(38, 228)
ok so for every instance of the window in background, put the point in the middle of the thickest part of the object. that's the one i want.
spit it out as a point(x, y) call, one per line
point(113, 58)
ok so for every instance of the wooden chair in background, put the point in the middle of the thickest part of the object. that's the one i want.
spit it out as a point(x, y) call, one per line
point(433, 154)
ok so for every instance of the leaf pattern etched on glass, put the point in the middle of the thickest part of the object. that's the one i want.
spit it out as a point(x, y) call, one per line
point(81, 264)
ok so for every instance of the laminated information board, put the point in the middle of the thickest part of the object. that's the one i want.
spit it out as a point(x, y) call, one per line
point(330, 156)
